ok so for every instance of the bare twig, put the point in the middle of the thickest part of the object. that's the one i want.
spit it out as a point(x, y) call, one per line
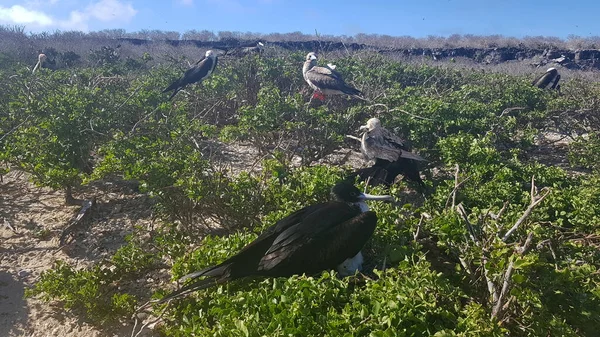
point(399, 110)
point(490, 284)
point(501, 212)
point(508, 274)
point(509, 110)
point(536, 199)
point(367, 184)
point(418, 231)
point(461, 210)
point(134, 334)
point(15, 128)
point(353, 137)
point(143, 118)
point(457, 185)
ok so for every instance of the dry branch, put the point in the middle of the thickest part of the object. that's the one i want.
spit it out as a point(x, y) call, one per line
point(457, 185)
point(536, 199)
point(498, 306)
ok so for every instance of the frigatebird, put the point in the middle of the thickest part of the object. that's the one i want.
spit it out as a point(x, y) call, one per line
point(246, 49)
point(200, 71)
point(325, 80)
point(391, 153)
point(319, 237)
point(40, 63)
point(548, 80)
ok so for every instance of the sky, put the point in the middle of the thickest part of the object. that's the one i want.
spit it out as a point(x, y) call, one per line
point(416, 18)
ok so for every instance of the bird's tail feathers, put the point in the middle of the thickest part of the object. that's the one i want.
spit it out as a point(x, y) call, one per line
point(174, 93)
point(348, 90)
point(214, 275)
point(194, 286)
point(172, 86)
point(213, 271)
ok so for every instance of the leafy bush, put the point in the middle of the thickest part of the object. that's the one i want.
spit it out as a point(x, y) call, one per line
point(503, 244)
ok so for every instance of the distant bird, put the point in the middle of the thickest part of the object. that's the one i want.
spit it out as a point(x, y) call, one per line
point(392, 155)
point(40, 63)
point(203, 69)
point(319, 237)
point(548, 80)
point(249, 49)
point(325, 80)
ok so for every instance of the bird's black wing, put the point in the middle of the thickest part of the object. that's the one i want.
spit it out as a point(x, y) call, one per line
point(244, 263)
point(197, 73)
point(310, 226)
point(322, 245)
point(555, 85)
point(546, 78)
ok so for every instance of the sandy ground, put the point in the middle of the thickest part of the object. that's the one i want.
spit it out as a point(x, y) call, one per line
point(38, 216)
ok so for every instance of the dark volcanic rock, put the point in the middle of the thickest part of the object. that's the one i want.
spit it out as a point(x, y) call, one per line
point(579, 59)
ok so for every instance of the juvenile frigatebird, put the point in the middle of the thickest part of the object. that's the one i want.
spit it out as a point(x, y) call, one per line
point(40, 63)
point(548, 80)
point(325, 80)
point(391, 153)
point(200, 71)
point(319, 237)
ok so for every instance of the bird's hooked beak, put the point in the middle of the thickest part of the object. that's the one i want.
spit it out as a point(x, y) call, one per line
point(363, 128)
point(366, 196)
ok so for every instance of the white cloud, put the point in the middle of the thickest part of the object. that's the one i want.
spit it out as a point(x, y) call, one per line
point(186, 2)
point(105, 11)
point(21, 15)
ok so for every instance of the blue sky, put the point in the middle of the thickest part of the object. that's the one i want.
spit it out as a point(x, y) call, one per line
point(350, 17)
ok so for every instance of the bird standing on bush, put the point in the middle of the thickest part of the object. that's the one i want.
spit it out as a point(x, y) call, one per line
point(319, 237)
point(392, 155)
point(325, 80)
point(40, 63)
point(197, 73)
point(548, 80)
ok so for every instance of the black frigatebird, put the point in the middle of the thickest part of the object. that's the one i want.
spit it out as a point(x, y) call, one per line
point(200, 71)
point(548, 80)
point(319, 237)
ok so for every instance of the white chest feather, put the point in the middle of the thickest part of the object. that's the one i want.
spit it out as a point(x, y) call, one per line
point(351, 265)
point(363, 206)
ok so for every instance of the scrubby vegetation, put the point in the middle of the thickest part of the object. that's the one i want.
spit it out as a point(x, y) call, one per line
point(506, 242)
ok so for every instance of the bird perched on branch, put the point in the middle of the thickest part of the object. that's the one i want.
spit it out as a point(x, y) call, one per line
point(40, 63)
point(392, 155)
point(319, 237)
point(325, 80)
point(199, 72)
point(548, 80)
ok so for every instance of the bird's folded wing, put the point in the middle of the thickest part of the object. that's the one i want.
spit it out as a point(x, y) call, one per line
point(376, 147)
point(310, 226)
point(326, 247)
